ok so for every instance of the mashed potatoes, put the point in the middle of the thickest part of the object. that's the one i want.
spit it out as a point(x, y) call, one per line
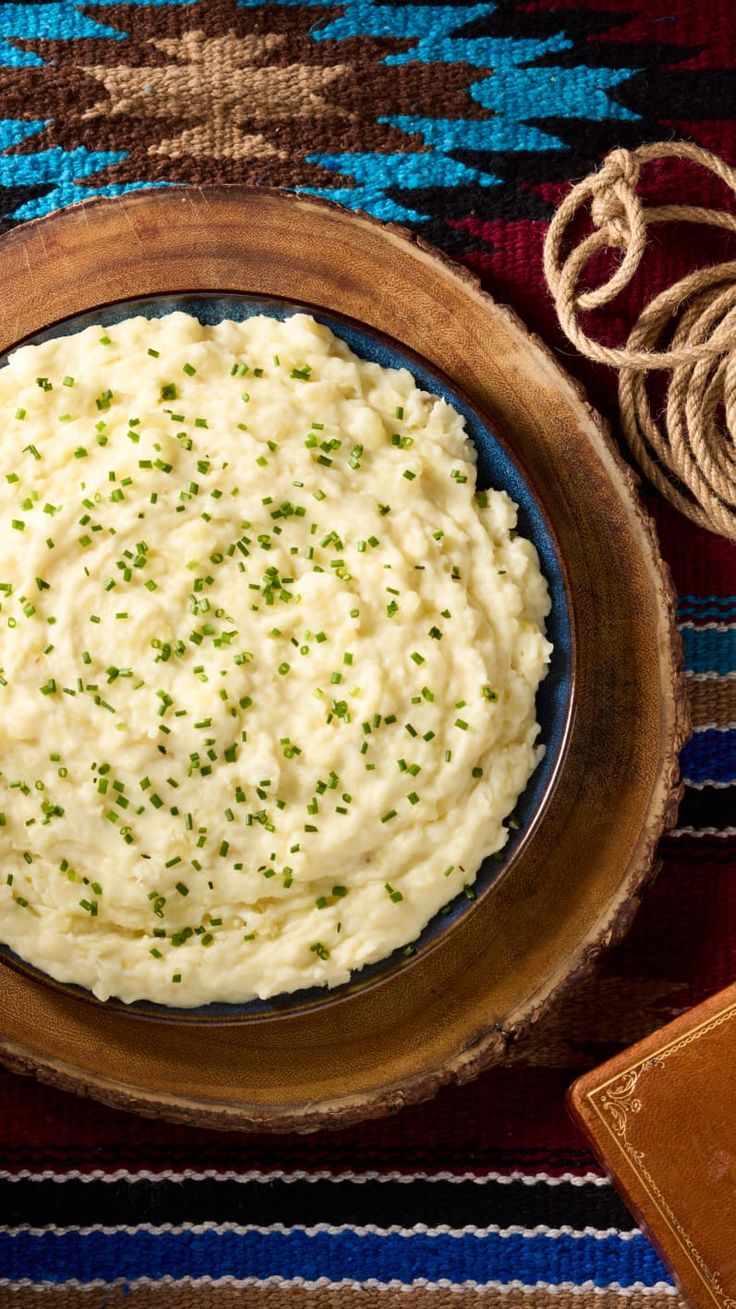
point(269, 660)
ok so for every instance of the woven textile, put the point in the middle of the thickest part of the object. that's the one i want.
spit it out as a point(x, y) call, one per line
point(462, 121)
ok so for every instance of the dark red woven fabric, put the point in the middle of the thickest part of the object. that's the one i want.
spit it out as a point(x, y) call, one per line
point(465, 122)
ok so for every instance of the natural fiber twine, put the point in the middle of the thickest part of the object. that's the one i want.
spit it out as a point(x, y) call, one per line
point(689, 453)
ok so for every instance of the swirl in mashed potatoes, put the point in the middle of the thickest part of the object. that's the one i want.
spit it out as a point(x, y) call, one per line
point(269, 659)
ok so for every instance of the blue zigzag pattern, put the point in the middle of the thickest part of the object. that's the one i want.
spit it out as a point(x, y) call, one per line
point(63, 20)
point(33, 22)
point(514, 91)
point(64, 170)
point(511, 85)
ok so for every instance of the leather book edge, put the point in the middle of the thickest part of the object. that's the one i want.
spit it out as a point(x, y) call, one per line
point(607, 1137)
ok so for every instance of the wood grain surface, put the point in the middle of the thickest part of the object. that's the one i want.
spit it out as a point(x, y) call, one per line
point(575, 887)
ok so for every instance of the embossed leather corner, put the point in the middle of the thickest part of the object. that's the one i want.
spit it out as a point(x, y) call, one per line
point(661, 1117)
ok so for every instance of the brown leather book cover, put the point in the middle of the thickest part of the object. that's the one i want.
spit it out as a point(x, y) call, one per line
point(661, 1117)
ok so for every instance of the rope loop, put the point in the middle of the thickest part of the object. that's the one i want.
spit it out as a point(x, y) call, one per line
point(688, 330)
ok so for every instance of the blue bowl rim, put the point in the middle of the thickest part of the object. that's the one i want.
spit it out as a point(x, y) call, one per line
point(381, 972)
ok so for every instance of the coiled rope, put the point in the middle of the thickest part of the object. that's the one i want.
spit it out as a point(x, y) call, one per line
point(689, 453)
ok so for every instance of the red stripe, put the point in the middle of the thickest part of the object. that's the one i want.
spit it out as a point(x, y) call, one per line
point(510, 1118)
point(511, 267)
point(701, 563)
point(704, 25)
point(685, 931)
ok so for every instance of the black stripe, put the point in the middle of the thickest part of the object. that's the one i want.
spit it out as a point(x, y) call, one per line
point(713, 806)
point(707, 92)
point(45, 1203)
point(711, 849)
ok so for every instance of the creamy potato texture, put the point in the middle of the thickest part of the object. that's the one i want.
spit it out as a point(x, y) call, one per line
point(269, 661)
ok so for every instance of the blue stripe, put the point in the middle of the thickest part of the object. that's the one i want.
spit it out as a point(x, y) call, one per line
point(707, 606)
point(376, 174)
point(366, 18)
point(557, 92)
point(371, 199)
point(57, 1258)
point(61, 169)
point(404, 170)
point(710, 757)
point(15, 130)
point(712, 613)
point(69, 194)
point(708, 650)
point(497, 133)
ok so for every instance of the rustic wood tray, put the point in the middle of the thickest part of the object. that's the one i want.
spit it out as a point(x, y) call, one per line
point(577, 882)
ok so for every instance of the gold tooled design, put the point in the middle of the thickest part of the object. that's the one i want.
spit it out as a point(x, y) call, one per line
point(617, 1100)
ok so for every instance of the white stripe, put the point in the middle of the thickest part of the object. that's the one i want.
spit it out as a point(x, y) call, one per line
point(211, 1174)
point(707, 627)
point(703, 831)
point(713, 727)
point(710, 677)
point(371, 1284)
point(329, 1229)
point(699, 786)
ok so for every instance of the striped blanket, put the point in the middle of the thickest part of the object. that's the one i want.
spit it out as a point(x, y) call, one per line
point(464, 122)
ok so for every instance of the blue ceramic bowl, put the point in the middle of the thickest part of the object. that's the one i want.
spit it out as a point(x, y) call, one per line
point(499, 468)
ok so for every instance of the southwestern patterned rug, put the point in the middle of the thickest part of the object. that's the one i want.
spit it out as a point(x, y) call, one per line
point(464, 122)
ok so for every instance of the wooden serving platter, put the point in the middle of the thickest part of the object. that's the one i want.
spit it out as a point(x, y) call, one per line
point(576, 884)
